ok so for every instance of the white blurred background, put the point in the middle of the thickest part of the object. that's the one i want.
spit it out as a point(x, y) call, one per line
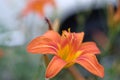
point(15, 31)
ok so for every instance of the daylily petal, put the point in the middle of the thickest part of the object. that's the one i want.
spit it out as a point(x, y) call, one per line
point(73, 38)
point(54, 36)
point(79, 37)
point(42, 45)
point(48, 43)
point(89, 62)
point(54, 67)
point(89, 47)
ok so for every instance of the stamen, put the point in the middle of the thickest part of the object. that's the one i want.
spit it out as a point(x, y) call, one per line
point(68, 29)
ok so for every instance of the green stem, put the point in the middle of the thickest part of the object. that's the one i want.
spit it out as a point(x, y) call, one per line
point(46, 60)
point(113, 32)
point(73, 70)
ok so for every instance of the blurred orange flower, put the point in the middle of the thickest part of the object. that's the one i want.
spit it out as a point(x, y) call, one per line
point(116, 17)
point(68, 50)
point(37, 6)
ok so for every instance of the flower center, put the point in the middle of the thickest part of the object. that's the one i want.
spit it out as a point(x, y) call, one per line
point(69, 54)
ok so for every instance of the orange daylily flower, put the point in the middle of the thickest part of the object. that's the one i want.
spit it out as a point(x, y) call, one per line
point(67, 49)
point(37, 6)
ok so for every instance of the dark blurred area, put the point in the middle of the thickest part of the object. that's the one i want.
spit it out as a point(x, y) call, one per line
point(95, 21)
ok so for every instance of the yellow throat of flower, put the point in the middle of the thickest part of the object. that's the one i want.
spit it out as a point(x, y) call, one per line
point(68, 54)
